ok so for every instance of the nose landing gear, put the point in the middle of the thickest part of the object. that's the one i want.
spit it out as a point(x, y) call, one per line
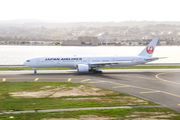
point(34, 70)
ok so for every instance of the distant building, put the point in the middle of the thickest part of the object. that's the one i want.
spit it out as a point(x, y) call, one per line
point(81, 41)
point(88, 40)
point(70, 43)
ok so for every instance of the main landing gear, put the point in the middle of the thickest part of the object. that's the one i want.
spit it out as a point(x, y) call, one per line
point(96, 70)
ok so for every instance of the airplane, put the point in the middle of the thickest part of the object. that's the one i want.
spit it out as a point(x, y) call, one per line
point(92, 64)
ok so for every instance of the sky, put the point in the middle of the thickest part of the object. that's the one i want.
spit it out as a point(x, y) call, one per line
point(90, 10)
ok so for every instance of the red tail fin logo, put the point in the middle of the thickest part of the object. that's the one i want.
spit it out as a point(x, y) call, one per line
point(149, 49)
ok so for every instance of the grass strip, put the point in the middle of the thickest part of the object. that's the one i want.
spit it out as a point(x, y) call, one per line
point(113, 98)
point(6, 87)
point(109, 113)
point(21, 104)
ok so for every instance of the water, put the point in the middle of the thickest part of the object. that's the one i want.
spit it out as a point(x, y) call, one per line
point(16, 55)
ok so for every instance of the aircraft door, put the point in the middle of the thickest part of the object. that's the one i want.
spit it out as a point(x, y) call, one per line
point(50, 63)
point(37, 61)
point(113, 59)
point(135, 60)
point(88, 60)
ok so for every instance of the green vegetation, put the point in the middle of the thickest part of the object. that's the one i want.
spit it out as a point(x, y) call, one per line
point(131, 67)
point(6, 87)
point(18, 103)
point(111, 98)
point(111, 114)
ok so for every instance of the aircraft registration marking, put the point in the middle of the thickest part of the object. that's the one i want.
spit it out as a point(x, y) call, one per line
point(4, 79)
point(69, 79)
point(36, 79)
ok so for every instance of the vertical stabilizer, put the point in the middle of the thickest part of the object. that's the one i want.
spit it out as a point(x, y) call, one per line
point(149, 49)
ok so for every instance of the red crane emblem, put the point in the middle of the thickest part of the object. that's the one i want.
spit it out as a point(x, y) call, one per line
point(149, 49)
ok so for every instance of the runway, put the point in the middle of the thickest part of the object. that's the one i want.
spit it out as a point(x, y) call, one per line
point(157, 85)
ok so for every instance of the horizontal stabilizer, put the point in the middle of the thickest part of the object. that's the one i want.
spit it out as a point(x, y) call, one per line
point(154, 58)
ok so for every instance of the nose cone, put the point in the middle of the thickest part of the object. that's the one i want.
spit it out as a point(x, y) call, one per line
point(25, 63)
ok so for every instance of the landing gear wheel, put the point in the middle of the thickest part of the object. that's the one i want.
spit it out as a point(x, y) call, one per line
point(95, 71)
point(35, 72)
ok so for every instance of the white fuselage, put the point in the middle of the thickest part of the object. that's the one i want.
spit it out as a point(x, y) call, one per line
point(72, 62)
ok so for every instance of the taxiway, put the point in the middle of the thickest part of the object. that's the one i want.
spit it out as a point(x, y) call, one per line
point(157, 85)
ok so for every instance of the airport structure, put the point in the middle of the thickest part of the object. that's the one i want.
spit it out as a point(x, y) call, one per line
point(82, 40)
point(88, 40)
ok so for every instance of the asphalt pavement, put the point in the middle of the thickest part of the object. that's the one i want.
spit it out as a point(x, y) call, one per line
point(157, 85)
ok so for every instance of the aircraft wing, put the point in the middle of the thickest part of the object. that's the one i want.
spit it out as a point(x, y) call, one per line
point(109, 63)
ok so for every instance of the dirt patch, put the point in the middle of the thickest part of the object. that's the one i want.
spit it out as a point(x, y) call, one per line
point(150, 116)
point(1, 96)
point(134, 116)
point(49, 91)
point(130, 100)
point(62, 91)
point(145, 119)
point(46, 87)
point(83, 117)
point(149, 113)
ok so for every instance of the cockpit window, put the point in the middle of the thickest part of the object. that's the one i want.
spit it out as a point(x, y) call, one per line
point(27, 60)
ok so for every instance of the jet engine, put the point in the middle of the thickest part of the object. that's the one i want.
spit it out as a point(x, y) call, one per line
point(82, 68)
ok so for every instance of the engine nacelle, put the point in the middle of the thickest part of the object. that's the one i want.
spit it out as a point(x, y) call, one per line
point(82, 68)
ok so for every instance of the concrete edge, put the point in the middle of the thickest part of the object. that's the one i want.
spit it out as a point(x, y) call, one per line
point(76, 109)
